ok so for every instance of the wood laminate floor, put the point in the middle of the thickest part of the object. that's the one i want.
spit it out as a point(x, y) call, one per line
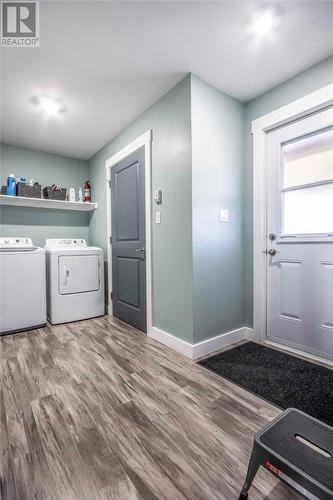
point(96, 410)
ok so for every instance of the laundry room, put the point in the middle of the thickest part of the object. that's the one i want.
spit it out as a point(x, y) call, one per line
point(48, 204)
point(44, 170)
point(166, 250)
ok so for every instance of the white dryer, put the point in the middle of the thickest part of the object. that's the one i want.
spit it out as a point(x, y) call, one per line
point(22, 285)
point(74, 280)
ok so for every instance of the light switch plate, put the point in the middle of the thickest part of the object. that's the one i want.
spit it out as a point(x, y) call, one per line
point(224, 215)
point(158, 217)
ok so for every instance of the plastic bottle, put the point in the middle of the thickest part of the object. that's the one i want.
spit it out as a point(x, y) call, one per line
point(71, 195)
point(80, 194)
point(11, 185)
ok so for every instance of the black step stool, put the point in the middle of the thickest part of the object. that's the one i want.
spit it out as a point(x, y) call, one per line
point(298, 449)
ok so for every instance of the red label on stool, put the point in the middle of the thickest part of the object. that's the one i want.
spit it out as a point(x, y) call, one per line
point(272, 468)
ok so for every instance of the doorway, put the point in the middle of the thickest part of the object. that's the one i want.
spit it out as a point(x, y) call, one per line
point(300, 235)
point(293, 226)
point(129, 233)
point(129, 240)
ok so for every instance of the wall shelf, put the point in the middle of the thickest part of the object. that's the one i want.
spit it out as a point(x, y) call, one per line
point(21, 201)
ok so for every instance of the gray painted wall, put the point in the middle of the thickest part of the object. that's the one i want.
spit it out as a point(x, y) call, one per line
point(217, 121)
point(310, 80)
point(170, 119)
point(47, 169)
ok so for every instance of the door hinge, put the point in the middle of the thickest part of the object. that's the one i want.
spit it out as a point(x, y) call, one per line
point(111, 295)
point(109, 181)
point(110, 240)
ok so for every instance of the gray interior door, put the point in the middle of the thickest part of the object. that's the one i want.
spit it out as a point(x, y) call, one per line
point(129, 240)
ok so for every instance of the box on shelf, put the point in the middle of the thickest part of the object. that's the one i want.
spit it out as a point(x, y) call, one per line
point(51, 193)
point(23, 189)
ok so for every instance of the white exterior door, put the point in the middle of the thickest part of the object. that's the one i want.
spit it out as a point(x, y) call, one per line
point(300, 234)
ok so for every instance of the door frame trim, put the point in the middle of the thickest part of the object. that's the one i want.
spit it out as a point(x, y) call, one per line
point(145, 141)
point(300, 108)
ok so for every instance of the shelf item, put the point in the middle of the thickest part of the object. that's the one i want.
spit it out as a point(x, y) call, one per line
point(25, 190)
point(20, 201)
point(54, 193)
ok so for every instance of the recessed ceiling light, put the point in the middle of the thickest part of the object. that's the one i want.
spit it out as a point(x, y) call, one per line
point(48, 104)
point(263, 22)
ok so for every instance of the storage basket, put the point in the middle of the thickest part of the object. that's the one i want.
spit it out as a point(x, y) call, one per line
point(23, 189)
point(54, 193)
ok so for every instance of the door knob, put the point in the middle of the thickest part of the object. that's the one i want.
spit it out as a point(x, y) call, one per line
point(272, 252)
point(141, 250)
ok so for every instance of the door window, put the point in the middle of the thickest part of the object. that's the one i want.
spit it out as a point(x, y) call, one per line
point(307, 185)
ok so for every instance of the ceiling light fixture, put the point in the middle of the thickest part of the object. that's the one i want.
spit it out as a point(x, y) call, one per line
point(49, 105)
point(263, 22)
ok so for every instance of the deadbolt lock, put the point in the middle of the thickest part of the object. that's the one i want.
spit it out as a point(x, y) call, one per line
point(272, 236)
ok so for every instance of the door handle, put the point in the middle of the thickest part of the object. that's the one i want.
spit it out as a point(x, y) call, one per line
point(141, 250)
point(65, 275)
point(272, 252)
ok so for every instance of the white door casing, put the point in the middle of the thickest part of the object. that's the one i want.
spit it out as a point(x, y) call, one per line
point(311, 103)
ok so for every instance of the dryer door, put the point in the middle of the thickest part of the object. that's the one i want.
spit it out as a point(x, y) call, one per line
point(79, 274)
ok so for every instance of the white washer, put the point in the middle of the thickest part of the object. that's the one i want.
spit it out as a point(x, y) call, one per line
point(74, 280)
point(22, 285)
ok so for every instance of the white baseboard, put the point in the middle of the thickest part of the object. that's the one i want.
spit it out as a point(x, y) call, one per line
point(196, 351)
point(171, 341)
point(253, 336)
point(220, 341)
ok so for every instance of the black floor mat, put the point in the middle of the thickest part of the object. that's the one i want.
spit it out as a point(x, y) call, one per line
point(282, 379)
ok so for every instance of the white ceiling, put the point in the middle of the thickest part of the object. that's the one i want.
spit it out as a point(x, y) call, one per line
point(109, 61)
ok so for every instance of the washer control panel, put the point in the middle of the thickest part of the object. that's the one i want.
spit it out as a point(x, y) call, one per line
point(65, 243)
point(10, 242)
